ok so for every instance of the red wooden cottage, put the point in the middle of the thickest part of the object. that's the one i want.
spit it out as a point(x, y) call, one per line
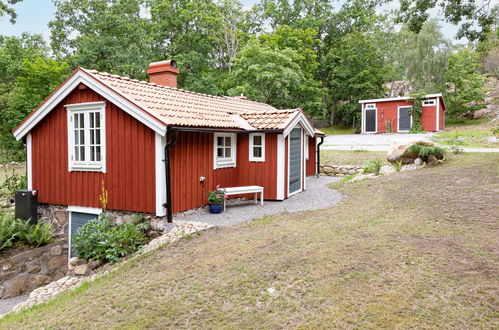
point(97, 127)
point(392, 114)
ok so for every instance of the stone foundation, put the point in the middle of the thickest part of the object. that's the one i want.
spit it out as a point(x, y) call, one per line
point(340, 170)
point(29, 270)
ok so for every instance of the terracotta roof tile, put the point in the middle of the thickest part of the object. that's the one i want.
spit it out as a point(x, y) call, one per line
point(185, 108)
point(274, 119)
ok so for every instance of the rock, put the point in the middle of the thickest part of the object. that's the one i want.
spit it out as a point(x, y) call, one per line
point(39, 280)
point(432, 161)
point(16, 286)
point(398, 150)
point(418, 161)
point(73, 261)
point(71, 267)
point(81, 269)
point(386, 169)
point(57, 276)
point(440, 161)
point(34, 269)
point(80, 262)
point(56, 250)
point(92, 264)
point(2, 291)
point(57, 262)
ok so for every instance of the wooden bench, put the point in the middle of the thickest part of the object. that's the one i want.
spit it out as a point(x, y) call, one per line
point(245, 190)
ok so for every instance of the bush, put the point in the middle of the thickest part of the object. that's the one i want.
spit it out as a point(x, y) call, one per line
point(12, 183)
point(373, 166)
point(18, 232)
point(99, 240)
point(425, 151)
point(397, 166)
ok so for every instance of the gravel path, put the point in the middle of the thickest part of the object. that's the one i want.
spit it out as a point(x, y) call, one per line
point(317, 196)
point(7, 304)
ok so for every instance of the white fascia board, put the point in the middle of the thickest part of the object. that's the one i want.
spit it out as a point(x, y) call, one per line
point(304, 123)
point(108, 93)
point(402, 98)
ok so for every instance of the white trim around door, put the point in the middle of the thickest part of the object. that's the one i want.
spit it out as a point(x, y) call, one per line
point(289, 162)
point(366, 108)
point(280, 166)
point(160, 175)
point(398, 119)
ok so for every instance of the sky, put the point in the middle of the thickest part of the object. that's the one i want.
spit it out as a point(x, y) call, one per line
point(34, 15)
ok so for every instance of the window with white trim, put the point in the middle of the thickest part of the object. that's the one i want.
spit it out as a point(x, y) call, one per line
point(86, 136)
point(428, 102)
point(257, 147)
point(225, 150)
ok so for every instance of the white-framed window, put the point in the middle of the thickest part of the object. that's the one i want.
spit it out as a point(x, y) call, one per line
point(224, 150)
point(428, 102)
point(257, 147)
point(87, 136)
point(371, 106)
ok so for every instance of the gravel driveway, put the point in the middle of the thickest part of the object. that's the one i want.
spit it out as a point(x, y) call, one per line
point(317, 196)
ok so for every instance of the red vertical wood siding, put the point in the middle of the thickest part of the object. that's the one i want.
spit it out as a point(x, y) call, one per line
point(130, 168)
point(442, 117)
point(312, 156)
point(192, 157)
point(389, 111)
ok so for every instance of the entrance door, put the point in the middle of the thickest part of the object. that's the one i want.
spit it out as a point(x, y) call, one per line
point(295, 160)
point(405, 119)
point(371, 120)
point(78, 220)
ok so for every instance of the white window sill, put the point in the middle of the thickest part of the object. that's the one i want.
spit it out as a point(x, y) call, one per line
point(87, 168)
point(225, 165)
point(256, 160)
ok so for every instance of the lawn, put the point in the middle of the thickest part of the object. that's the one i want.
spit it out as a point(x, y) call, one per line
point(338, 130)
point(415, 249)
point(473, 136)
point(346, 157)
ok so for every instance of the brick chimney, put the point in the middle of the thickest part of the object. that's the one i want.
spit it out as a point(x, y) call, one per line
point(163, 73)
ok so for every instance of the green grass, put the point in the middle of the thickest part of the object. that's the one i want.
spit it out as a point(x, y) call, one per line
point(415, 249)
point(460, 121)
point(347, 157)
point(473, 137)
point(338, 130)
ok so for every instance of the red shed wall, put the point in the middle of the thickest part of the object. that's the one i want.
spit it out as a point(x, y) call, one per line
point(429, 118)
point(442, 118)
point(192, 157)
point(312, 156)
point(388, 111)
point(130, 158)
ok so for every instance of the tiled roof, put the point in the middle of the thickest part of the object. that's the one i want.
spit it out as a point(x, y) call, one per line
point(184, 108)
point(276, 119)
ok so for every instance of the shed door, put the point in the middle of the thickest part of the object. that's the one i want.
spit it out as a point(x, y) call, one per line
point(295, 159)
point(78, 220)
point(370, 120)
point(404, 119)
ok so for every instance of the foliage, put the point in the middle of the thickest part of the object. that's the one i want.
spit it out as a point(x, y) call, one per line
point(397, 165)
point(98, 240)
point(455, 143)
point(216, 196)
point(13, 183)
point(425, 151)
point(416, 112)
point(373, 166)
point(6, 10)
point(18, 232)
point(470, 13)
point(465, 82)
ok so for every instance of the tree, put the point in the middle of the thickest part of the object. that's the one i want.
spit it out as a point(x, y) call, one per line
point(465, 82)
point(424, 57)
point(5, 9)
point(470, 13)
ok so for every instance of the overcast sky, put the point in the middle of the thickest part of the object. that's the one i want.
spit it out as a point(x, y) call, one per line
point(34, 15)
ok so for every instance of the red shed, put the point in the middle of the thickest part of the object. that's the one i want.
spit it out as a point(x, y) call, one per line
point(392, 114)
point(97, 128)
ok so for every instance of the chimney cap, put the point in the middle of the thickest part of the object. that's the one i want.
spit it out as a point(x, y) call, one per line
point(163, 66)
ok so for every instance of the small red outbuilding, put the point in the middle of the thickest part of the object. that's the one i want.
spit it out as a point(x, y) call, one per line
point(392, 114)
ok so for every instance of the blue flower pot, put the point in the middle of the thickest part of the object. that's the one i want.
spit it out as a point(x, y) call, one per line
point(215, 208)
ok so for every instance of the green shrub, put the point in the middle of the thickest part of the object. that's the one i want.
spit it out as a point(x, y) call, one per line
point(18, 232)
point(425, 151)
point(12, 183)
point(397, 166)
point(373, 166)
point(99, 240)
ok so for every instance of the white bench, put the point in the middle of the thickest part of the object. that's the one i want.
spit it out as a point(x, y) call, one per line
point(245, 190)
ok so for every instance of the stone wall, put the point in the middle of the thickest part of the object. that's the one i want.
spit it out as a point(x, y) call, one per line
point(55, 215)
point(29, 270)
point(340, 170)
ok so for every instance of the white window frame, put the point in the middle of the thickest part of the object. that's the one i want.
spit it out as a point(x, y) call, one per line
point(79, 209)
point(87, 165)
point(429, 103)
point(371, 106)
point(252, 157)
point(224, 162)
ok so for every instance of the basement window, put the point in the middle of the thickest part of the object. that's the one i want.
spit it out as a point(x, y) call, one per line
point(257, 147)
point(224, 150)
point(86, 137)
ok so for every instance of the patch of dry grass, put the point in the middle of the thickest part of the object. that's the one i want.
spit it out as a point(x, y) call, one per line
point(347, 157)
point(7, 170)
point(416, 249)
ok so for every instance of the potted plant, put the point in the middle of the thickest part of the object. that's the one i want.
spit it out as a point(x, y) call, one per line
point(216, 200)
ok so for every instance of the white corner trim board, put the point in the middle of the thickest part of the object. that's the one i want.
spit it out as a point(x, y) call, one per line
point(160, 175)
point(29, 161)
point(280, 166)
point(147, 118)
